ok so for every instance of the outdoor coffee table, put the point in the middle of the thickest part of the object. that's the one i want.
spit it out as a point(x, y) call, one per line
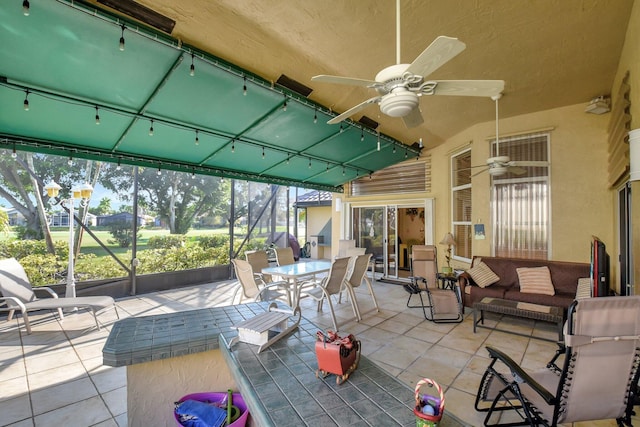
point(517, 309)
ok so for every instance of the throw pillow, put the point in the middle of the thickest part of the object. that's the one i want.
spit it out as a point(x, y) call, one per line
point(535, 280)
point(584, 288)
point(483, 275)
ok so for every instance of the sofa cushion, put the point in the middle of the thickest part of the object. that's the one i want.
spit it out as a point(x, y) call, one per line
point(535, 280)
point(483, 275)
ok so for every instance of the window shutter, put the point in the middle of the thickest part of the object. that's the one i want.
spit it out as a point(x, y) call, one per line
point(619, 126)
point(407, 177)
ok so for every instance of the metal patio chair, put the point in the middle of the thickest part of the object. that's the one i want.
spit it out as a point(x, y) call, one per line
point(332, 284)
point(443, 305)
point(598, 379)
point(17, 294)
point(249, 286)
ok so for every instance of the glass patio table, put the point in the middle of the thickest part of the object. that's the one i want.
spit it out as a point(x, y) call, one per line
point(296, 274)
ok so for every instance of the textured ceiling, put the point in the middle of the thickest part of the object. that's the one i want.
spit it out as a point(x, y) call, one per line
point(550, 53)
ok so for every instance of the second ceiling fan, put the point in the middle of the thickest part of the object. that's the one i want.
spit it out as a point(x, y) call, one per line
point(500, 165)
point(399, 86)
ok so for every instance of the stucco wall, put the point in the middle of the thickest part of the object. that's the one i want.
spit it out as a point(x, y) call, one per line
point(582, 204)
point(317, 218)
point(580, 199)
point(630, 62)
point(152, 387)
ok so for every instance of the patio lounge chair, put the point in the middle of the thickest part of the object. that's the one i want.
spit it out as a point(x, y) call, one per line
point(443, 305)
point(17, 294)
point(597, 380)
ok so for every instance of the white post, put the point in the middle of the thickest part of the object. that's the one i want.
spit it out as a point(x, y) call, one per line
point(634, 155)
point(71, 283)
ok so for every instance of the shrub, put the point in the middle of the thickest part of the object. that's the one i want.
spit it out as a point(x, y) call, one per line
point(213, 241)
point(44, 270)
point(221, 254)
point(26, 233)
point(165, 242)
point(19, 249)
point(92, 267)
point(122, 233)
point(174, 259)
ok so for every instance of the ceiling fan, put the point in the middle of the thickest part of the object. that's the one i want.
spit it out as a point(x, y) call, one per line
point(400, 86)
point(501, 165)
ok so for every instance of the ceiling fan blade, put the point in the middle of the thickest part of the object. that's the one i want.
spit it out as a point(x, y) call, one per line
point(413, 119)
point(351, 111)
point(471, 167)
point(438, 53)
point(344, 80)
point(530, 163)
point(482, 171)
point(516, 170)
point(487, 88)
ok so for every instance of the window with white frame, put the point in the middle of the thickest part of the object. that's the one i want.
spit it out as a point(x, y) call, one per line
point(520, 198)
point(461, 204)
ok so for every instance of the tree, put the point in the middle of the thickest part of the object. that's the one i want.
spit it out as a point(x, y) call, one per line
point(179, 197)
point(103, 208)
point(16, 188)
point(21, 177)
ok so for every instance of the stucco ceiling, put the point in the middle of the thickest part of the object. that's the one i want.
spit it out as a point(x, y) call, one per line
point(64, 59)
point(550, 53)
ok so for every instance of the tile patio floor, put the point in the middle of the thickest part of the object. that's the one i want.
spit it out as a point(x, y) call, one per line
point(55, 376)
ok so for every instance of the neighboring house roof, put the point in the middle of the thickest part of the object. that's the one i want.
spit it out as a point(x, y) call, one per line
point(314, 198)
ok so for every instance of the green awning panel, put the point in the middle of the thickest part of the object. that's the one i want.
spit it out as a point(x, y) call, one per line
point(64, 58)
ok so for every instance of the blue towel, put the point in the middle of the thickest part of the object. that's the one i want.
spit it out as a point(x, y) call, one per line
point(199, 414)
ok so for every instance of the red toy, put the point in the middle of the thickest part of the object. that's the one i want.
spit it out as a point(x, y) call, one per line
point(337, 355)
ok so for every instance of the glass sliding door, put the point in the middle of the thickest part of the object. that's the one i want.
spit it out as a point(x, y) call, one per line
point(368, 231)
point(388, 232)
point(624, 237)
point(391, 264)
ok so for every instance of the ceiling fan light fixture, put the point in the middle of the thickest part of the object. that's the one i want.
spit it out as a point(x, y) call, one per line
point(399, 103)
point(498, 170)
point(498, 160)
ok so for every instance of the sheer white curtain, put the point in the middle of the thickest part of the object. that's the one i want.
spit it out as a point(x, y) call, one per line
point(520, 201)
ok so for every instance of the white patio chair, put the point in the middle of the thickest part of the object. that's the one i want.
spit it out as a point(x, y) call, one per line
point(332, 284)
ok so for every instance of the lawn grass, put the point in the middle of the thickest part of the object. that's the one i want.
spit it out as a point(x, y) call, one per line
point(91, 246)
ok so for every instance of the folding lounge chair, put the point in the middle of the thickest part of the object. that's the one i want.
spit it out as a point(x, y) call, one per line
point(444, 305)
point(17, 294)
point(597, 381)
